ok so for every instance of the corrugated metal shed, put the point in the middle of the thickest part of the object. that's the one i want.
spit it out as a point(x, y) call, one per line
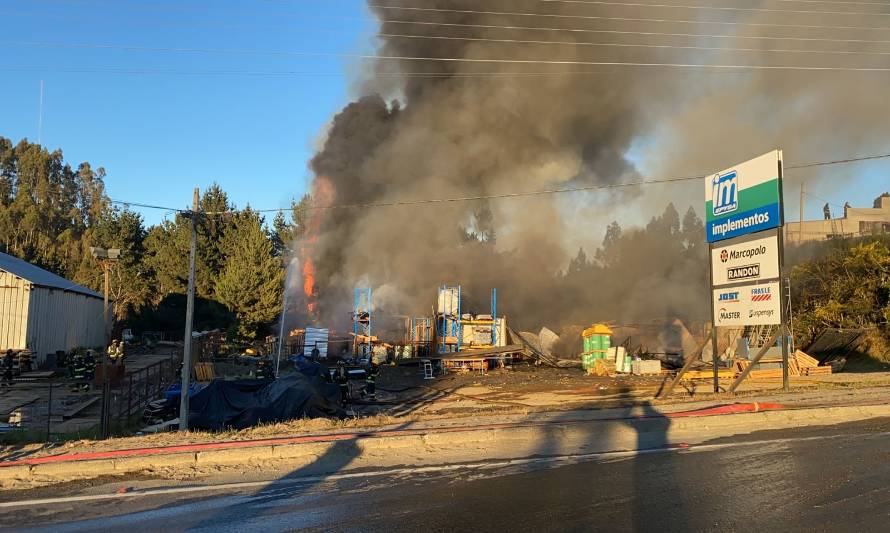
point(316, 337)
point(41, 278)
point(43, 312)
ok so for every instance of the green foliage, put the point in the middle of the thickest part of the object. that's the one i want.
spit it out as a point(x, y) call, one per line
point(51, 214)
point(284, 233)
point(251, 282)
point(849, 288)
point(658, 272)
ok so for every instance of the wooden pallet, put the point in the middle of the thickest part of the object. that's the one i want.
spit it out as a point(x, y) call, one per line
point(772, 373)
point(709, 374)
point(602, 367)
point(804, 360)
point(204, 371)
point(818, 371)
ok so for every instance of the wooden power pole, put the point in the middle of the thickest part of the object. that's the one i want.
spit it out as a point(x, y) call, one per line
point(189, 316)
point(800, 219)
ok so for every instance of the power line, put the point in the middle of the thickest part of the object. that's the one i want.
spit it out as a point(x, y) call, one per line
point(647, 33)
point(642, 64)
point(700, 22)
point(273, 52)
point(635, 45)
point(586, 188)
point(855, 3)
point(635, 4)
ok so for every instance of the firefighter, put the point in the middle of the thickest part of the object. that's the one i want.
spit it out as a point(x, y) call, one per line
point(264, 369)
point(8, 362)
point(79, 372)
point(371, 380)
point(24, 361)
point(112, 352)
point(89, 363)
point(341, 378)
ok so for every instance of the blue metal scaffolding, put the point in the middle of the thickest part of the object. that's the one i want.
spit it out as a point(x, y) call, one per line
point(449, 322)
point(361, 321)
point(448, 319)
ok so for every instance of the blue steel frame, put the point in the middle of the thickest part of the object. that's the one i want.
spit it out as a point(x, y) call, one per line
point(452, 328)
point(362, 303)
point(448, 328)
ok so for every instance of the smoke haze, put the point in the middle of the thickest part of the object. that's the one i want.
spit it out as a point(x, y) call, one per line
point(438, 129)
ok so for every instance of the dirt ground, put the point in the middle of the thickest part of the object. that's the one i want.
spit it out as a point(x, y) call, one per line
point(405, 397)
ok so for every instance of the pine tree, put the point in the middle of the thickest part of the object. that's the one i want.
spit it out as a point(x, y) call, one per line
point(251, 282)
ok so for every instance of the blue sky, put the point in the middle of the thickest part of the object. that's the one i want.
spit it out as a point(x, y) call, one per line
point(160, 135)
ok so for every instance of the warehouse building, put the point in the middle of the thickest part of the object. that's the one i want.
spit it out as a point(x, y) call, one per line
point(43, 312)
point(855, 222)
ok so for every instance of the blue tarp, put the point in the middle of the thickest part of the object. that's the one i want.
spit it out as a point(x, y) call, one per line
point(245, 403)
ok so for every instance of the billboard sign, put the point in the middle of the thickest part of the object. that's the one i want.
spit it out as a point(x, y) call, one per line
point(748, 305)
point(744, 199)
point(749, 258)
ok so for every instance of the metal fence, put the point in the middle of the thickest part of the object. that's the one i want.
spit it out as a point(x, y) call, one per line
point(60, 409)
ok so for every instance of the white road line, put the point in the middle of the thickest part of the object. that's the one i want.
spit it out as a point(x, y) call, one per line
point(487, 465)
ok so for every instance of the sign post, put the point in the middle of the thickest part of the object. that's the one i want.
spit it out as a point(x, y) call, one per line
point(743, 207)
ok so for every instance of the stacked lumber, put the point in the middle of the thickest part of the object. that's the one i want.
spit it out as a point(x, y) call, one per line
point(772, 373)
point(204, 371)
point(799, 364)
point(804, 360)
point(709, 374)
point(809, 366)
point(602, 368)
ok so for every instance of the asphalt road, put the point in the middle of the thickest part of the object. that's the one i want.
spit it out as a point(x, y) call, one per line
point(811, 479)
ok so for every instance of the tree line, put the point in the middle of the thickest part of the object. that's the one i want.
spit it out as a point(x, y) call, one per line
point(52, 213)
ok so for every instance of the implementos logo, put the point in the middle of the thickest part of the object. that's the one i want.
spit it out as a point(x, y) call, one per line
point(761, 294)
point(725, 195)
point(728, 297)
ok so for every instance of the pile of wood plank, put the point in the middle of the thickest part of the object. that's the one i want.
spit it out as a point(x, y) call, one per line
point(602, 368)
point(799, 364)
point(709, 374)
point(806, 365)
point(204, 371)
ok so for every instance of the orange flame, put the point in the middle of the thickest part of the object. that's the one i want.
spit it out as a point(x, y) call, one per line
point(309, 285)
point(322, 195)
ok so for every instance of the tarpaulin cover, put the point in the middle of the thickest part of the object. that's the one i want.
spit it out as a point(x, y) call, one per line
point(308, 367)
point(246, 403)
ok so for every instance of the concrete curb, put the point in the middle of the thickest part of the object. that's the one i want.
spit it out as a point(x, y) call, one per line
point(416, 448)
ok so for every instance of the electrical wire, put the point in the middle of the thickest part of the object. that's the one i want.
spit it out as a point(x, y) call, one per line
point(511, 195)
point(646, 33)
point(596, 2)
point(634, 4)
point(636, 45)
point(273, 52)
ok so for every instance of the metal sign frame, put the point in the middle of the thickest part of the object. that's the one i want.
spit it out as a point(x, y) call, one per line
point(783, 329)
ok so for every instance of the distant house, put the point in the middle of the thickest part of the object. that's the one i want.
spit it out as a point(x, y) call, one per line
point(856, 222)
point(44, 312)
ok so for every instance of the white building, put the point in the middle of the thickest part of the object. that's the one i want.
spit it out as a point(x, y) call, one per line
point(856, 222)
point(44, 313)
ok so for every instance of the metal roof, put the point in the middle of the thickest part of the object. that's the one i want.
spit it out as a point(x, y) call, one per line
point(41, 278)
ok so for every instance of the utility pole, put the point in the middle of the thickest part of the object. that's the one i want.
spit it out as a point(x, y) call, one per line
point(189, 315)
point(800, 220)
point(107, 259)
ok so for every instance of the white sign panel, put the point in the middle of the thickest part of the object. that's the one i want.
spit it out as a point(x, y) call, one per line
point(747, 260)
point(748, 305)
